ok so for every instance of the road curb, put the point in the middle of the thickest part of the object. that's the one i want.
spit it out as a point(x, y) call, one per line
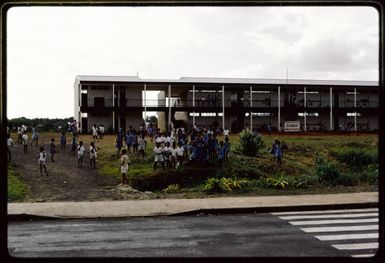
point(205, 211)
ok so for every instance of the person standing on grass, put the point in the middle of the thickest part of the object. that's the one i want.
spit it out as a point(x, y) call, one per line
point(74, 143)
point(95, 133)
point(278, 152)
point(24, 138)
point(19, 135)
point(42, 157)
point(227, 147)
point(180, 153)
point(119, 141)
point(9, 146)
point(142, 146)
point(93, 155)
point(226, 132)
point(81, 151)
point(221, 152)
point(158, 156)
point(134, 142)
point(52, 147)
point(101, 131)
point(63, 140)
point(35, 135)
point(124, 166)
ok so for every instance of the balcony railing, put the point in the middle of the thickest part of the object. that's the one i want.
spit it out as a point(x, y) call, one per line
point(179, 103)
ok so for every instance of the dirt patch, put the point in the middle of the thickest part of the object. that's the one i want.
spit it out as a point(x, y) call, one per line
point(65, 181)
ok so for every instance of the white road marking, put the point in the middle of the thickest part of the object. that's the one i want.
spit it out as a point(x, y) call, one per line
point(336, 221)
point(348, 236)
point(339, 228)
point(364, 255)
point(357, 246)
point(326, 211)
point(328, 216)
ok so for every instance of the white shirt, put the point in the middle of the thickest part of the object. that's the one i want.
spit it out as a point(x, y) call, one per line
point(81, 150)
point(179, 151)
point(10, 142)
point(157, 150)
point(226, 132)
point(25, 139)
point(93, 153)
point(94, 131)
point(173, 152)
point(42, 156)
point(159, 140)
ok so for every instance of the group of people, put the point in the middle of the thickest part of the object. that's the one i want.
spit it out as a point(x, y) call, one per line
point(76, 148)
point(176, 147)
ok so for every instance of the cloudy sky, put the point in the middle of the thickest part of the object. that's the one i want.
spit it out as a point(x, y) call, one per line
point(48, 46)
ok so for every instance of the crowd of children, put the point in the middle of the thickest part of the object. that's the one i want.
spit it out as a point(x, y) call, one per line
point(172, 149)
point(79, 149)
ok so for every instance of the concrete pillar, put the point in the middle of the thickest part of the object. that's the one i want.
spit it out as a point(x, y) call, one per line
point(355, 110)
point(169, 106)
point(304, 114)
point(331, 109)
point(251, 105)
point(193, 103)
point(113, 107)
point(223, 107)
point(279, 108)
point(145, 103)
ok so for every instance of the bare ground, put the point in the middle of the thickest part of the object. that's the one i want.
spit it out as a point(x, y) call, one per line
point(65, 181)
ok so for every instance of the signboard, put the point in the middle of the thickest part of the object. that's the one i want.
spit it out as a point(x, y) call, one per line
point(292, 126)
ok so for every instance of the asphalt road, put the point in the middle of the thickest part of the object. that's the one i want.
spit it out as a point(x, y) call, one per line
point(237, 235)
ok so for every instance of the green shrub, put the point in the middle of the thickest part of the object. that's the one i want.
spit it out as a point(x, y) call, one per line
point(172, 188)
point(250, 144)
point(302, 182)
point(17, 189)
point(157, 181)
point(279, 182)
point(370, 175)
point(355, 156)
point(221, 185)
point(326, 172)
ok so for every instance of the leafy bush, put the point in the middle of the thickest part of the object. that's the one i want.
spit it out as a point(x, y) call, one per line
point(277, 182)
point(172, 188)
point(355, 156)
point(250, 144)
point(326, 172)
point(17, 189)
point(370, 175)
point(221, 185)
point(301, 182)
point(157, 181)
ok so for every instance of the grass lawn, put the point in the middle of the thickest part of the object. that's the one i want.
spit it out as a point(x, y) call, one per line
point(311, 164)
point(17, 189)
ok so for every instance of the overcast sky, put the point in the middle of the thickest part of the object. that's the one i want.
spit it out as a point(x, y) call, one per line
point(48, 46)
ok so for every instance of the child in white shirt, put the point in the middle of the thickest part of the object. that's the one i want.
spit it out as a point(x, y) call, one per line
point(42, 157)
point(81, 151)
point(24, 139)
point(93, 155)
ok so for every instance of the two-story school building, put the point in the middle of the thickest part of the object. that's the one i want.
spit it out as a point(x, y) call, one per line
point(235, 103)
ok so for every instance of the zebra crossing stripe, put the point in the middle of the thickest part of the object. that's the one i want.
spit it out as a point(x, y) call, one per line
point(357, 246)
point(328, 216)
point(339, 228)
point(347, 236)
point(326, 211)
point(335, 221)
point(363, 256)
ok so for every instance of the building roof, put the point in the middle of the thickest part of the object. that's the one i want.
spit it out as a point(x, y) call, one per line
point(197, 80)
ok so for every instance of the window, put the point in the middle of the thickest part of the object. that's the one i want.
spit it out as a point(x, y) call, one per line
point(84, 115)
point(208, 114)
point(310, 114)
point(352, 114)
point(308, 92)
point(194, 114)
